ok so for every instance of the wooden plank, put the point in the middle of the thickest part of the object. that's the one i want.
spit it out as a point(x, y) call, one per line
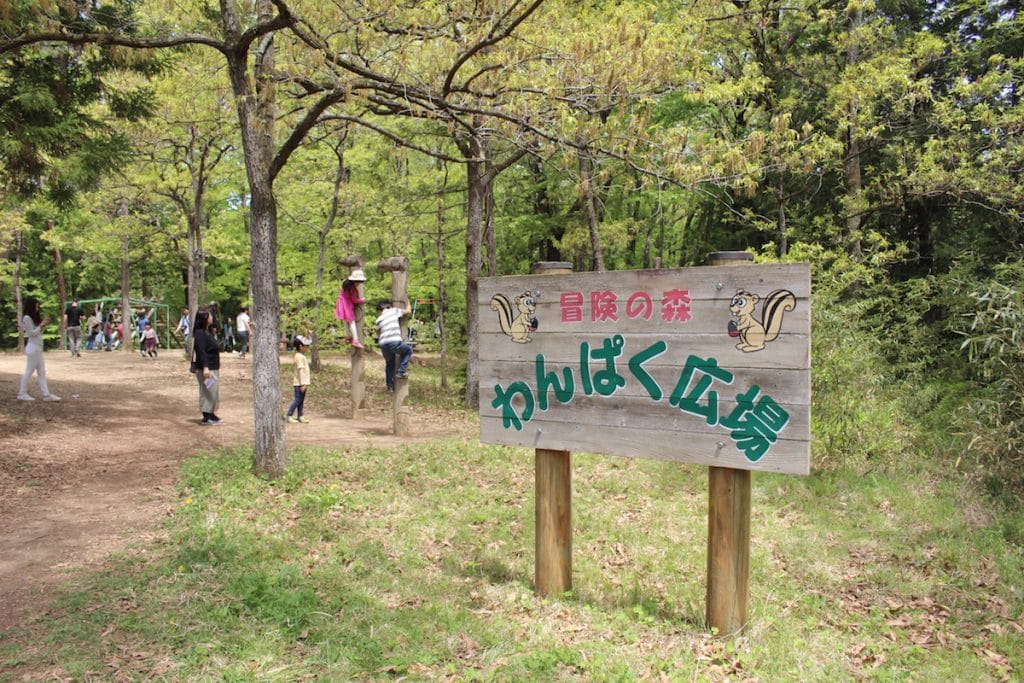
point(703, 282)
point(729, 494)
point(553, 518)
point(785, 386)
point(690, 388)
point(789, 350)
point(708, 448)
point(704, 317)
point(670, 420)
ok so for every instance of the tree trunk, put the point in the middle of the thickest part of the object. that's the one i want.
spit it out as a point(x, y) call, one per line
point(314, 353)
point(780, 213)
point(196, 268)
point(543, 206)
point(18, 305)
point(256, 110)
point(442, 295)
point(62, 292)
point(476, 191)
point(587, 195)
point(851, 162)
point(340, 174)
point(492, 247)
point(126, 304)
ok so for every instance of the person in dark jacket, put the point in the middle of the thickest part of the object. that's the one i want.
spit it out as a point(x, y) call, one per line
point(206, 366)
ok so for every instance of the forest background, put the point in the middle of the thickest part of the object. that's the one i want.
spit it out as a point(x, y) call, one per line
point(234, 152)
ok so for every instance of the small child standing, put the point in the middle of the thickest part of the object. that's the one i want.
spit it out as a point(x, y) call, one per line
point(348, 299)
point(149, 340)
point(300, 379)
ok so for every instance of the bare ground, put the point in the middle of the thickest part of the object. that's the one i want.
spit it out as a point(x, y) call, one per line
point(93, 474)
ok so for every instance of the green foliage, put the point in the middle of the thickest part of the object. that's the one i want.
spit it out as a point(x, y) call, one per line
point(992, 330)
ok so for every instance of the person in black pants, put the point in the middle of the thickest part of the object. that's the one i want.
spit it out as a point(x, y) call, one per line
point(206, 366)
point(73, 321)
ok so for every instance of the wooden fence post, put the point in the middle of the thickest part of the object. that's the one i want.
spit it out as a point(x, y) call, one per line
point(553, 505)
point(728, 525)
point(399, 269)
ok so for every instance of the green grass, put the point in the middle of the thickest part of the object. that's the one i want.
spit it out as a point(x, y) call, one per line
point(417, 562)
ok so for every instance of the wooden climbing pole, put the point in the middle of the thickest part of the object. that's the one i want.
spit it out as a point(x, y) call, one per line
point(399, 269)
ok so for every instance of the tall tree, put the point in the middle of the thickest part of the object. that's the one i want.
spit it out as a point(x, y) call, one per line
point(180, 151)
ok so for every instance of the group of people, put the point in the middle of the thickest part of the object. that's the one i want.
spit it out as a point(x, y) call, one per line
point(225, 333)
point(396, 351)
point(102, 331)
point(206, 347)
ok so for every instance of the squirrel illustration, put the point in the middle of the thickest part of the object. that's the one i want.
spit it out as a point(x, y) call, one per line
point(754, 333)
point(516, 317)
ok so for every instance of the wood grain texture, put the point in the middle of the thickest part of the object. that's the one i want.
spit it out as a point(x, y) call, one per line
point(646, 366)
point(553, 516)
point(728, 549)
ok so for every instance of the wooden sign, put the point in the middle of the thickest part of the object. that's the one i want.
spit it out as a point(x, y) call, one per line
point(706, 365)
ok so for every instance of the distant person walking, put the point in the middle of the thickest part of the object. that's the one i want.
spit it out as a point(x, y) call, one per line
point(32, 323)
point(242, 327)
point(348, 299)
point(206, 366)
point(184, 327)
point(73, 323)
point(300, 379)
point(389, 338)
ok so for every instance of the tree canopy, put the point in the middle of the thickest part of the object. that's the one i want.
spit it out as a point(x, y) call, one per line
point(877, 138)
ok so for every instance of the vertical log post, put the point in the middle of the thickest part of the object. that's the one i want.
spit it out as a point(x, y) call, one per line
point(553, 511)
point(728, 525)
point(399, 269)
point(358, 390)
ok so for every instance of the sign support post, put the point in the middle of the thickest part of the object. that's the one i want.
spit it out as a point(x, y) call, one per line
point(728, 526)
point(553, 505)
point(707, 365)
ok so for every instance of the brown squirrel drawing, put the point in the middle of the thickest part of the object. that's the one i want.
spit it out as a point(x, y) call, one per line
point(754, 333)
point(516, 316)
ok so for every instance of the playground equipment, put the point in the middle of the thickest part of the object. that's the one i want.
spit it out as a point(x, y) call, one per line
point(356, 354)
point(399, 268)
point(155, 306)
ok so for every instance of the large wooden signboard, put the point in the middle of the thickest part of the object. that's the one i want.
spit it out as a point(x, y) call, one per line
point(705, 365)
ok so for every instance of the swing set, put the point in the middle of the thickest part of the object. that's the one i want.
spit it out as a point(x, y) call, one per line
point(129, 325)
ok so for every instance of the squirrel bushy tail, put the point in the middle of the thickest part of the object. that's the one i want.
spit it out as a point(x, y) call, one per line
point(503, 307)
point(775, 305)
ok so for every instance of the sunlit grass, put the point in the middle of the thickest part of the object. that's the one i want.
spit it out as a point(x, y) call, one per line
point(417, 562)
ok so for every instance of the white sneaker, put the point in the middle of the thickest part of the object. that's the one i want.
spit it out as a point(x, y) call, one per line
point(51, 397)
point(25, 397)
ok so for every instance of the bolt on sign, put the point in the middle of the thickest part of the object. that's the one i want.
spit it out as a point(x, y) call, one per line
point(706, 365)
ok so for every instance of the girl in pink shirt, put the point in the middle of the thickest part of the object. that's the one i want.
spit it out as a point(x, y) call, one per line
point(348, 299)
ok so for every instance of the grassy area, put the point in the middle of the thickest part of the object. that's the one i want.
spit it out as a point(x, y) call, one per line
point(417, 563)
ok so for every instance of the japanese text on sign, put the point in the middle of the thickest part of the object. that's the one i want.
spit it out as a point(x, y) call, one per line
point(605, 305)
point(754, 424)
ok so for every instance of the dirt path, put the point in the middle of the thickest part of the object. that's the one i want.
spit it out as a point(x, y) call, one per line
point(92, 474)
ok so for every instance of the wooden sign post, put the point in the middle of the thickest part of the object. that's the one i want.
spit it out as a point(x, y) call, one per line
point(358, 390)
point(707, 365)
point(728, 525)
point(553, 501)
point(399, 269)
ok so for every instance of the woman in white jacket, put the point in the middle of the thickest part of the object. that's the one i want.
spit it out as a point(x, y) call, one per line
point(33, 323)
